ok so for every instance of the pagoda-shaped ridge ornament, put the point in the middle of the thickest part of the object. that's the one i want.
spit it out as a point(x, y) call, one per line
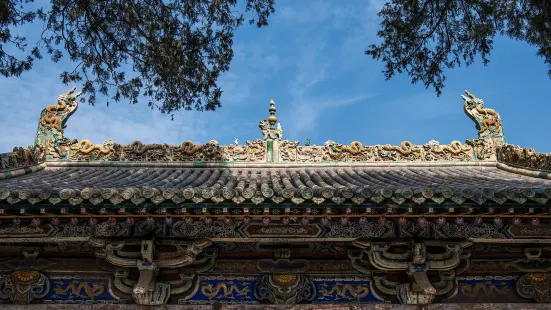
point(272, 119)
point(268, 127)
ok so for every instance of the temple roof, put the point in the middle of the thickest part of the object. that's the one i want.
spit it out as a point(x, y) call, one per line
point(272, 168)
point(459, 183)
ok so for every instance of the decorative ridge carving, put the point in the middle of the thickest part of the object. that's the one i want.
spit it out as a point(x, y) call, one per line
point(21, 158)
point(489, 126)
point(51, 125)
point(257, 152)
point(332, 151)
point(51, 144)
point(263, 165)
point(523, 157)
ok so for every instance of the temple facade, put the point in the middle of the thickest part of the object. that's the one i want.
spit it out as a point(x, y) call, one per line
point(274, 222)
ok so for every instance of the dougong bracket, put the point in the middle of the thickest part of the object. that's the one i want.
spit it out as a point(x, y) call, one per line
point(415, 261)
point(147, 290)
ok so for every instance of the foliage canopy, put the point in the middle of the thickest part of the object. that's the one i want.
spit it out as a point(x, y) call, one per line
point(176, 49)
point(424, 37)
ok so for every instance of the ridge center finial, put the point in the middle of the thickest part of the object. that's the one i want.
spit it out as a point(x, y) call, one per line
point(272, 119)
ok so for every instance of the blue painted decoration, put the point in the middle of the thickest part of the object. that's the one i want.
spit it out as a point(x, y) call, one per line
point(214, 289)
point(345, 291)
point(489, 290)
point(241, 290)
point(79, 290)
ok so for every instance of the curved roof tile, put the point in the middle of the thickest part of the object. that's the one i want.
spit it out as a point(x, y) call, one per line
point(470, 182)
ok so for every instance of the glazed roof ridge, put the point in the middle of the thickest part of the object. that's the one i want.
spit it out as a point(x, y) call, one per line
point(53, 148)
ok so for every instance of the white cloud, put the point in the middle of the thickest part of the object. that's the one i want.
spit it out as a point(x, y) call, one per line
point(305, 116)
point(257, 67)
point(24, 98)
point(317, 68)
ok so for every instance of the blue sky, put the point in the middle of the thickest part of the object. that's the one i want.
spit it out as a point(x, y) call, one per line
point(310, 60)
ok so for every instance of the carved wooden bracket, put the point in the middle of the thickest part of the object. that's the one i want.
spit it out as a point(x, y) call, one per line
point(415, 260)
point(147, 290)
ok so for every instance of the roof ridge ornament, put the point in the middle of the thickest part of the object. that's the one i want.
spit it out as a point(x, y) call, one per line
point(488, 123)
point(268, 127)
point(271, 149)
point(51, 126)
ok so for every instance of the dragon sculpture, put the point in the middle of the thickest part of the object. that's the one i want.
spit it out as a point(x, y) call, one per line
point(338, 152)
point(291, 151)
point(433, 150)
point(488, 123)
point(92, 151)
point(49, 134)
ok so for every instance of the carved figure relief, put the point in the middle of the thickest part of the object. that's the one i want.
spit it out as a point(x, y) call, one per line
point(268, 127)
point(49, 135)
point(255, 151)
point(524, 157)
point(268, 132)
point(331, 151)
point(454, 151)
point(84, 149)
point(21, 157)
point(488, 124)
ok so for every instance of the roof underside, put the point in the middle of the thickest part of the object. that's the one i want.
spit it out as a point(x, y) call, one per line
point(475, 183)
